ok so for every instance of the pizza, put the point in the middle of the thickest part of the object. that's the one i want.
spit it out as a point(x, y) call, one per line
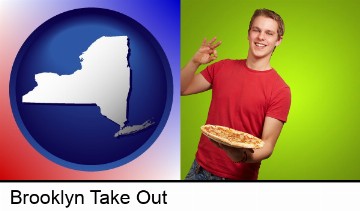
point(231, 137)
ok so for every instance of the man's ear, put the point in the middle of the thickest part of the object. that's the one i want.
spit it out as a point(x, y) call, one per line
point(279, 41)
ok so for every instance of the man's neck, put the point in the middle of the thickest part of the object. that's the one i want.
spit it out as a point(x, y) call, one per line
point(259, 64)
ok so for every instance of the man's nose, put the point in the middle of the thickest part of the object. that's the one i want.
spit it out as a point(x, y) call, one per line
point(261, 36)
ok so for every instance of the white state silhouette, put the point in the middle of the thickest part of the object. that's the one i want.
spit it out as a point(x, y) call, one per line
point(104, 80)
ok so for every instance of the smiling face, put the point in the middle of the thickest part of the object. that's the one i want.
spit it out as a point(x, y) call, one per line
point(263, 38)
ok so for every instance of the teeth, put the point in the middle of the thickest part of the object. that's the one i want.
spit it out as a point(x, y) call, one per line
point(260, 45)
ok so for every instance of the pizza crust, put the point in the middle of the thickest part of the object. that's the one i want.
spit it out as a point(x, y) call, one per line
point(231, 137)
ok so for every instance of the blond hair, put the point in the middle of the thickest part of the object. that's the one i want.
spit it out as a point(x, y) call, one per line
point(269, 14)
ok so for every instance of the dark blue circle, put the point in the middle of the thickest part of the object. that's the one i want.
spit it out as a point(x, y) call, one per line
point(78, 136)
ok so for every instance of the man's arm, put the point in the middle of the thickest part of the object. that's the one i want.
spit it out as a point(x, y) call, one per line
point(192, 83)
point(271, 131)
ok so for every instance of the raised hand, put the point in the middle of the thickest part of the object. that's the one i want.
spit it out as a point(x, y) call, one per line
point(207, 52)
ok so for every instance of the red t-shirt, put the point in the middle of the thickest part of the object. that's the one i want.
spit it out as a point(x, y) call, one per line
point(241, 99)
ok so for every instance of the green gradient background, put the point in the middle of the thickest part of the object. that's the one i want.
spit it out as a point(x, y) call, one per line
point(318, 58)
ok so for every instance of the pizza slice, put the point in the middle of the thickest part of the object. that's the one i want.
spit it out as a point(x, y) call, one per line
point(231, 137)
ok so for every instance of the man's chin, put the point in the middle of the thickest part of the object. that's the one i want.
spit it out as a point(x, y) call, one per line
point(261, 54)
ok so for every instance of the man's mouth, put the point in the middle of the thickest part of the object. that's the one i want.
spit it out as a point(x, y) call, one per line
point(260, 44)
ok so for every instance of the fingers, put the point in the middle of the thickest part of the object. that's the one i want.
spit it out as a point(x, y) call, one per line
point(204, 43)
point(216, 45)
point(234, 149)
point(207, 52)
point(214, 53)
point(209, 55)
point(212, 43)
point(214, 56)
point(216, 143)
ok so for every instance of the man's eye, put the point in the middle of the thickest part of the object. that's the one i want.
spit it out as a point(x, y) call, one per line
point(270, 33)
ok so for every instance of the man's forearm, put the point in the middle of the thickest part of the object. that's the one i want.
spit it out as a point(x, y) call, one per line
point(259, 155)
point(187, 74)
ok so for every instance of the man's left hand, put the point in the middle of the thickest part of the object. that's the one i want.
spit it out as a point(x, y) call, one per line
point(235, 154)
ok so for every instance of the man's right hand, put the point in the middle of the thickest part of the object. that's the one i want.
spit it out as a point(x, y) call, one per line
point(192, 83)
point(207, 52)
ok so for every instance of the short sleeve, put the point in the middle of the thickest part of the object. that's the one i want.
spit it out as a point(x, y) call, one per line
point(280, 104)
point(209, 72)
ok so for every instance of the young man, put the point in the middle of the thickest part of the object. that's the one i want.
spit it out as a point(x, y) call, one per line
point(247, 95)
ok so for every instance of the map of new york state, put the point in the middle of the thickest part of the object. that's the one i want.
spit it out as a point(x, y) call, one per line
point(103, 80)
